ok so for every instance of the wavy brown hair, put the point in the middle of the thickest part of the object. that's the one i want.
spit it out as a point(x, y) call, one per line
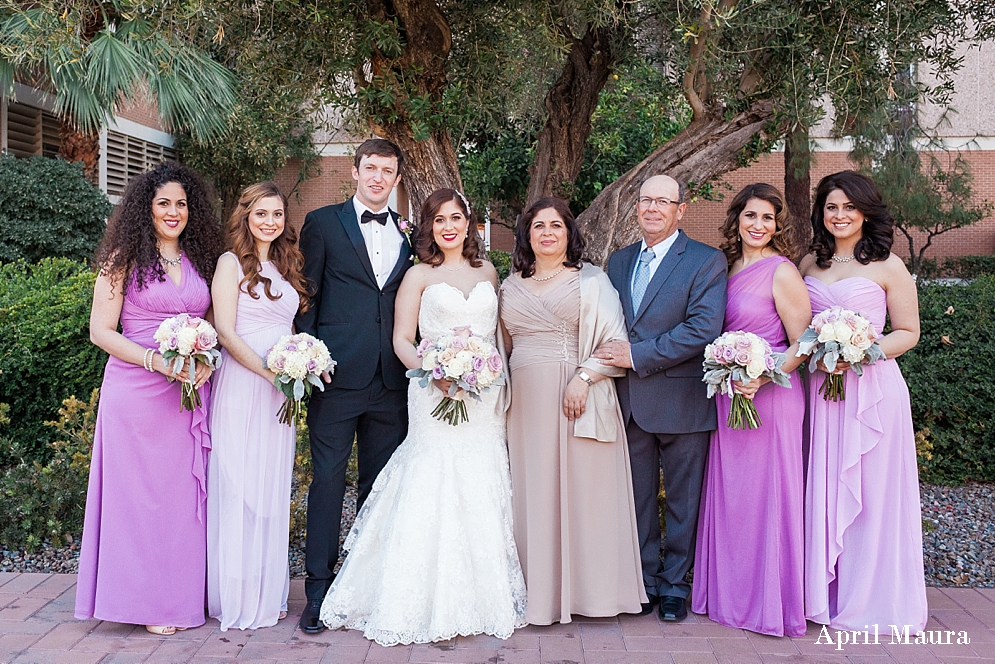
point(877, 232)
point(423, 237)
point(283, 251)
point(785, 238)
point(523, 259)
point(129, 249)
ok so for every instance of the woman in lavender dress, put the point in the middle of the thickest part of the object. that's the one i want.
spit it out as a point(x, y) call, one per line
point(257, 290)
point(143, 555)
point(863, 525)
point(748, 572)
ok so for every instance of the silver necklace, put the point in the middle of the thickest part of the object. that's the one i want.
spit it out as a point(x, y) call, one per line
point(535, 278)
point(842, 259)
point(170, 262)
point(455, 269)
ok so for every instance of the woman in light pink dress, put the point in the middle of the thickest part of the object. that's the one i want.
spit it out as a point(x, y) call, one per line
point(257, 290)
point(144, 538)
point(863, 526)
point(748, 571)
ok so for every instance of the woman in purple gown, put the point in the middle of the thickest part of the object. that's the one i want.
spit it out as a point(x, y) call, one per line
point(863, 527)
point(257, 290)
point(143, 555)
point(748, 572)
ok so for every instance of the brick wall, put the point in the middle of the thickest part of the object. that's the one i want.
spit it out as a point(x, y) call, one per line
point(704, 218)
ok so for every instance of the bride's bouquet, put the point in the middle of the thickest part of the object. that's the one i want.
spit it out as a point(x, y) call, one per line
point(298, 361)
point(184, 339)
point(741, 356)
point(468, 360)
point(836, 334)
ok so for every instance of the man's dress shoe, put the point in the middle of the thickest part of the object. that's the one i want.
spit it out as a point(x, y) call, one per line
point(646, 608)
point(310, 622)
point(673, 609)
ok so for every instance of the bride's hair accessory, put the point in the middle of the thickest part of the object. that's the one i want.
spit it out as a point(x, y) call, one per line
point(466, 203)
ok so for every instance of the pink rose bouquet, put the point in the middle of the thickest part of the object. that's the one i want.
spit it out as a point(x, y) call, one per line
point(839, 334)
point(468, 360)
point(184, 339)
point(298, 361)
point(741, 356)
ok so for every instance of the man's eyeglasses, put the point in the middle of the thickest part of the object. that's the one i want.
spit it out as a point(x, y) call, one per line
point(646, 202)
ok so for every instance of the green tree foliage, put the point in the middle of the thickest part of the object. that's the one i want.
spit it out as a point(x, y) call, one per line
point(98, 55)
point(949, 377)
point(45, 349)
point(264, 133)
point(48, 209)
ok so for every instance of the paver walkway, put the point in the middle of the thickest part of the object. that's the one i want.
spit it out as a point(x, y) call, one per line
point(37, 625)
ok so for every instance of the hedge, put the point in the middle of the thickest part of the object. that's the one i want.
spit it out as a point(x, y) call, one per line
point(950, 377)
point(45, 349)
point(48, 209)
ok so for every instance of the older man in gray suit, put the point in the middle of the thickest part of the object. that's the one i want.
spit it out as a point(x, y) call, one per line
point(673, 292)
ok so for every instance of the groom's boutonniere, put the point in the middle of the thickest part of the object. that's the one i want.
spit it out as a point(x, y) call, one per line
point(405, 227)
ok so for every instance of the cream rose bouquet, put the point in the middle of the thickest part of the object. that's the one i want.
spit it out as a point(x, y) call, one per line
point(839, 334)
point(470, 362)
point(183, 340)
point(741, 356)
point(298, 360)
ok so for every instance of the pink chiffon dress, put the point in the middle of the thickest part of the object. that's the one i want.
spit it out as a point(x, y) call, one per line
point(144, 551)
point(252, 460)
point(749, 568)
point(863, 522)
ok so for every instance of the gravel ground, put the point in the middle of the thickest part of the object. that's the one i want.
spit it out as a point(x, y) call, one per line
point(958, 539)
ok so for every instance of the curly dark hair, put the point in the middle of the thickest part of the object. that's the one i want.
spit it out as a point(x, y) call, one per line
point(283, 251)
point(128, 251)
point(523, 258)
point(783, 241)
point(423, 236)
point(878, 231)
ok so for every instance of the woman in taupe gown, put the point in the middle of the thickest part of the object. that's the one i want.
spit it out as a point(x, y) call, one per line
point(575, 523)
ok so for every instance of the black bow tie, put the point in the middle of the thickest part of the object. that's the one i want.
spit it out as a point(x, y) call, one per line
point(379, 218)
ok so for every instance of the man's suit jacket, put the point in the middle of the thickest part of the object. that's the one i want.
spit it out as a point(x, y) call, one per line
point(349, 312)
point(681, 312)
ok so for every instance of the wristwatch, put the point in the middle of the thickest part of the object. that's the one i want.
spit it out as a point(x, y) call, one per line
point(585, 377)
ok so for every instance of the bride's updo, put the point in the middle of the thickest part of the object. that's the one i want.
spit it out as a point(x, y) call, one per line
point(423, 238)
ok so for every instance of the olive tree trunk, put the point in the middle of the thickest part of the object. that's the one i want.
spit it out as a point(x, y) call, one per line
point(705, 149)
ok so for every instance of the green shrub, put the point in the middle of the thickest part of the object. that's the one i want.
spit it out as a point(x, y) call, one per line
point(950, 379)
point(47, 501)
point(45, 349)
point(958, 267)
point(48, 209)
point(502, 263)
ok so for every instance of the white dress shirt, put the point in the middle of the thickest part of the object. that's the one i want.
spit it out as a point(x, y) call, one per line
point(383, 242)
point(660, 249)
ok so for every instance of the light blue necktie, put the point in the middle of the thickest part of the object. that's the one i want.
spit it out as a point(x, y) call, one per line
point(642, 277)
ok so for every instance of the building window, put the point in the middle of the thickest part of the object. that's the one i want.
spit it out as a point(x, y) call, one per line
point(128, 156)
point(31, 131)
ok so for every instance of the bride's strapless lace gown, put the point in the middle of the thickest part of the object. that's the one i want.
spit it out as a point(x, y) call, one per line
point(432, 553)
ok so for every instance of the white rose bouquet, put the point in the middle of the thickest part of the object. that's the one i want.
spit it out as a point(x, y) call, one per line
point(741, 356)
point(184, 339)
point(471, 363)
point(298, 361)
point(839, 334)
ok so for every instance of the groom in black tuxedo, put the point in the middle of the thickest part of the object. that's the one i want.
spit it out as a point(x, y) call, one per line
point(354, 259)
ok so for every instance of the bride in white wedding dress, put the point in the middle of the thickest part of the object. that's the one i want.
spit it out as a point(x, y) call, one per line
point(432, 552)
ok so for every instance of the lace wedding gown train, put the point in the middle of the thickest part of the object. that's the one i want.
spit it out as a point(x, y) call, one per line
point(432, 552)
